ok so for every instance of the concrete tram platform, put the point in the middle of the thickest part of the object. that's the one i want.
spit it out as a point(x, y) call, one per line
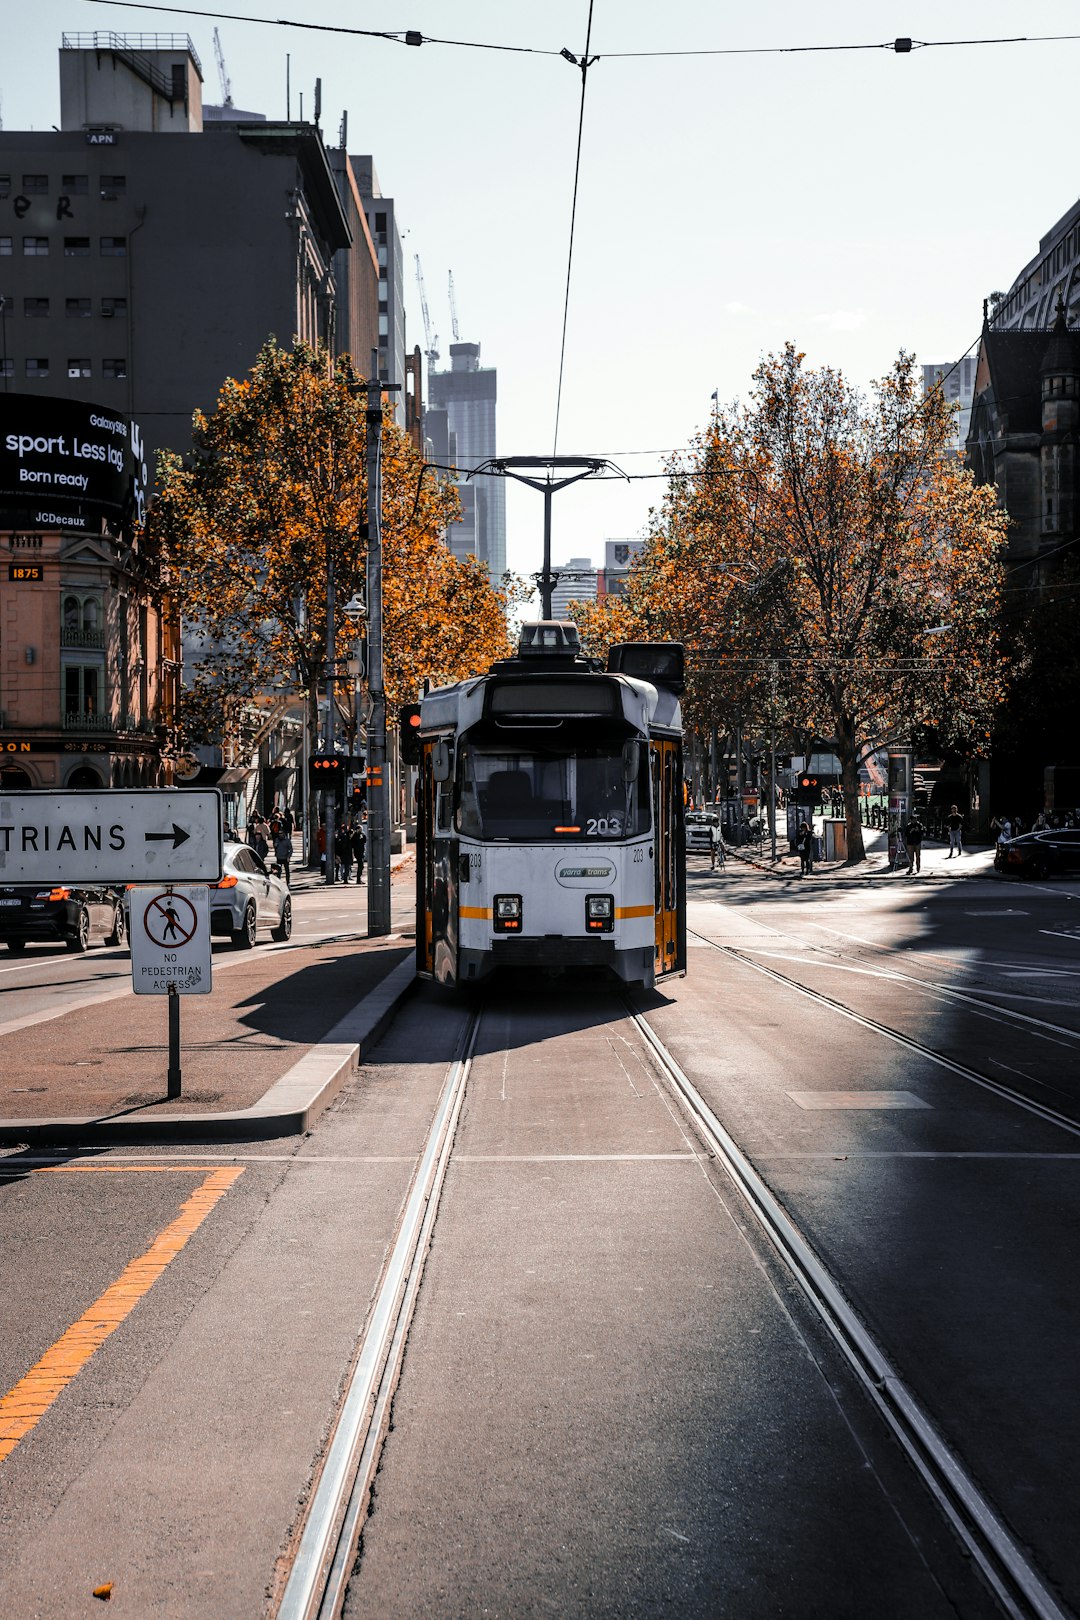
point(261, 1057)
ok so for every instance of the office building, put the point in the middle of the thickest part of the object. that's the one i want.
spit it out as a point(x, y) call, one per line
point(383, 228)
point(618, 559)
point(577, 583)
point(468, 393)
point(957, 382)
point(147, 253)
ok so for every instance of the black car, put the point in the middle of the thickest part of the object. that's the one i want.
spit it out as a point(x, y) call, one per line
point(1040, 854)
point(76, 913)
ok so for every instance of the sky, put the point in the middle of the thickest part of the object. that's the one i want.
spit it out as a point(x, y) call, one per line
point(854, 201)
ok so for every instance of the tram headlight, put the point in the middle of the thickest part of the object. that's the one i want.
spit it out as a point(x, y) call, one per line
point(506, 913)
point(599, 913)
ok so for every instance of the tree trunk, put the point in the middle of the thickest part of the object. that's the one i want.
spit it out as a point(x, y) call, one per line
point(847, 751)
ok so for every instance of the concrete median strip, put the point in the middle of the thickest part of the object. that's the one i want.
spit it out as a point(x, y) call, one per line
point(289, 1107)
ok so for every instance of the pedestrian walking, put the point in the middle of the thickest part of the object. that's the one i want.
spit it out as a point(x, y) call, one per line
point(804, 843)
point(359, 847)
point(288, 820)
point(282, 849)
point(913, 833)
point(955, 823)
point(716, 847)
point(1003, 826)
point(259, 836)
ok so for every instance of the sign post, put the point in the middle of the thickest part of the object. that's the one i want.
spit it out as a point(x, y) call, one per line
point(170, 954)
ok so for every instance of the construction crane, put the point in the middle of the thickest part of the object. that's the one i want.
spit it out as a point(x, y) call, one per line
point(219, 57)
point(453, 310)
point(432, 349)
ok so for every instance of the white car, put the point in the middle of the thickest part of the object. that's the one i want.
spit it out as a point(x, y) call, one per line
point(246, 898)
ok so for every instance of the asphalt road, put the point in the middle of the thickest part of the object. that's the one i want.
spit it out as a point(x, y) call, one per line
point(613, 1399)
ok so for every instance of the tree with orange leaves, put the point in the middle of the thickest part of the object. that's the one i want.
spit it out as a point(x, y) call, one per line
point(271, 494)
point(830, 567)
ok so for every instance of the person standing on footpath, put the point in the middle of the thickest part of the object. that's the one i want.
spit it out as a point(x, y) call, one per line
point(282, 848)
point(955, 823)
point(343, 852)
point(804, 843)
point(716, 846)
point(913, 832)
point(359, 847)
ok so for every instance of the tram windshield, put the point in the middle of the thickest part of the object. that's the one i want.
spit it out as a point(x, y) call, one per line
point(553, 793)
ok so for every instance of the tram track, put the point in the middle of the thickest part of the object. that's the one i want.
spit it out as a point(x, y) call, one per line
point(322, 1564)
point(1008, 1093)
point(1018, 1585)
point(326, 1549)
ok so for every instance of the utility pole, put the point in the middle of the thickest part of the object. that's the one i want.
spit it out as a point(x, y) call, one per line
point(330, 799)
point(378, 798)
point(772, 755)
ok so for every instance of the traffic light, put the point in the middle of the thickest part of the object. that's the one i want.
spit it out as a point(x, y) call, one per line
point(409, 727)
point(807, 789)
point(326, 773)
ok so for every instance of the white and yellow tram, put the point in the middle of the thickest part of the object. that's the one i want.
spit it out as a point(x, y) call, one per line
point(550, 814)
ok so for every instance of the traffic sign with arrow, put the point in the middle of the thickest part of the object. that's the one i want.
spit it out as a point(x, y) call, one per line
point(120, 835)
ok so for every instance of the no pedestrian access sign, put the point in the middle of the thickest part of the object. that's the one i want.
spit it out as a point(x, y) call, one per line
point(170, 941)
point(119, 835)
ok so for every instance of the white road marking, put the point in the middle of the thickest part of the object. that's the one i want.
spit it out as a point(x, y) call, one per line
point(857, 1099)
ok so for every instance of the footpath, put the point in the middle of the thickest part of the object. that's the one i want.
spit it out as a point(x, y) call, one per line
point(937, 864)
point(283, 1030)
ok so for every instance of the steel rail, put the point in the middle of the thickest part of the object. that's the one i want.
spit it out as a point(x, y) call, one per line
point(320, 1571)
point(1050, 1115)
point(1018, 1585)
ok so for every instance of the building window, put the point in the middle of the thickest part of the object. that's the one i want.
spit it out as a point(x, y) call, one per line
point(5, 185)
point(82, 689)
point(81, 621)
point(75, 185)
point(35, 247)
point(35, 306)
point(78, 368)
point(77, 308)
point(113, 247)
point(380, 223)
point(76, 247)
point(384, 326)
point(7, 368)
point(114, 368)
point(5, 247)
point(35, 185)
point(113, 185)
point(37, 368)
point(114, 307)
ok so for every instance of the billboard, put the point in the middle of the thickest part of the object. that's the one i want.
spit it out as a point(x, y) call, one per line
point(65, 464)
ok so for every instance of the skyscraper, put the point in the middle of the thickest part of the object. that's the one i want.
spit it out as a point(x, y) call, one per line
point(467, 393)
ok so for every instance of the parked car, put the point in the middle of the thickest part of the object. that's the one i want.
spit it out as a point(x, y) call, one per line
point(1040, 854)
point(246, 897)
point(699, 826)
point(75, 913)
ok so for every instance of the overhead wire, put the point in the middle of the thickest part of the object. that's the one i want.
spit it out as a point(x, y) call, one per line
point(585, 64)
point(413, 36)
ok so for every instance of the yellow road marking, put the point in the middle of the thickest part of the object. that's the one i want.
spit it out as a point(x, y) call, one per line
point(26, 1402)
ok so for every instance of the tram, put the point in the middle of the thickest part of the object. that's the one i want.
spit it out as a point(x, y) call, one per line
point(550, 813)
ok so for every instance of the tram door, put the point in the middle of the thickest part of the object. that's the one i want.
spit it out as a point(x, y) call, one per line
point(669, 869)
point(425, 862)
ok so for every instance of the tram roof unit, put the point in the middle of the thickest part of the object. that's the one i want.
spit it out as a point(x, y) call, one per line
point(641, 684)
